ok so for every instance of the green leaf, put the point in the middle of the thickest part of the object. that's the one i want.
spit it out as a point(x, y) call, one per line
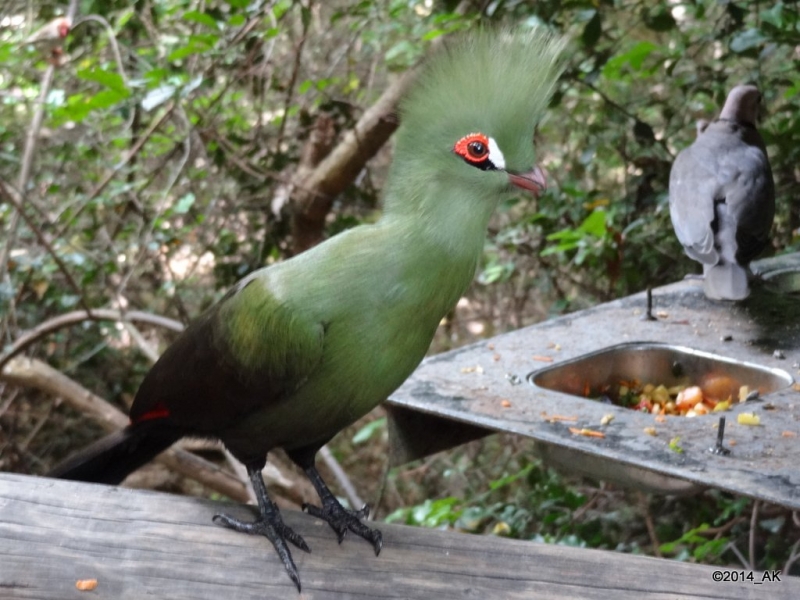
point(201, 18)
point(747, 40)
point(632, 58)
point(595, 224)
point(368, 430)
point(592, 30)
point(661, 20)
point(109, 79)
point(184, 204)
point(123, 19)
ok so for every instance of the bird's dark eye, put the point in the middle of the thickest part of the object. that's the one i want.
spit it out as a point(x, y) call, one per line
point(477, 150)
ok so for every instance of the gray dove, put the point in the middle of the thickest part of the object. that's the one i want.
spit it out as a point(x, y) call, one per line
point(722, 196)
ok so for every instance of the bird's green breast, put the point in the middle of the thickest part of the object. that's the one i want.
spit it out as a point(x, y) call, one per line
point(379, 297)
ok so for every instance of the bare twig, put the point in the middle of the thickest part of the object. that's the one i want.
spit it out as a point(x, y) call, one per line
point(12, 197)
point(753, 527)
point(113, 172)
point(298, 55)
point(793, 556)
point(732, 547)
point(651, 528)
point(112, 40)
point(341, 478)
point(136, 335)
point(79, 316)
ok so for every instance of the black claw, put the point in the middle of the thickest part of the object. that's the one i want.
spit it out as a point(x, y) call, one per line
point(343, 520)
point(337, 516)
point(276, 532)
point(270, 525)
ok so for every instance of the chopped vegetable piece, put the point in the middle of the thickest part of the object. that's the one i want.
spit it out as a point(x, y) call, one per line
point(720, 406)
point(689, 397)
point(587, 432)
point(650, 430)
point(748, 419)
point(674, 444)
point(606, 419)
point(719, 386)
point(86, 585)
point(554, 418)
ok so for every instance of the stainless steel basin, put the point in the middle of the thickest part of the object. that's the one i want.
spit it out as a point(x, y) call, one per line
point(600, 373)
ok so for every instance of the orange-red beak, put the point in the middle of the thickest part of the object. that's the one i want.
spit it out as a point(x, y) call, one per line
point(533, 181)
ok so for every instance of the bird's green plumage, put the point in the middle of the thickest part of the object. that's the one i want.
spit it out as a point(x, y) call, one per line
point(300, 349)
point(306, 346)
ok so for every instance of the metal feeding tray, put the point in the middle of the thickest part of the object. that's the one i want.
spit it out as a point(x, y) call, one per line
point(491, 386)
point(600, 374)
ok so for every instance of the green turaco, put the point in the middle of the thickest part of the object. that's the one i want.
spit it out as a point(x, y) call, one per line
point(300, 349)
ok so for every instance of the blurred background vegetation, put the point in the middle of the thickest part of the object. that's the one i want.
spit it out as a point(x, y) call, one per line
point(177, 137)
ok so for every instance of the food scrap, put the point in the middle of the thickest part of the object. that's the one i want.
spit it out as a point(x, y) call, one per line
point(606, 419)
point(476, 369)
point(505, 403)
point(714, 393)
point(86, 585)
point(555, 418)
point(650, 431)
point(541, 358)
point(788, 434)
point(587, 432)
point(748, 419)
point(674, 444)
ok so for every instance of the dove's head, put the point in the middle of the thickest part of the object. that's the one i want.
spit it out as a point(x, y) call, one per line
point(742, 105)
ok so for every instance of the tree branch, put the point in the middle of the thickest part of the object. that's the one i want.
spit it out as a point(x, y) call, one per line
point(79, 316)
point(315, 192)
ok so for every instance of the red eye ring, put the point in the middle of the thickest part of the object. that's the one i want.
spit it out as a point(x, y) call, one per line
point(473, 148)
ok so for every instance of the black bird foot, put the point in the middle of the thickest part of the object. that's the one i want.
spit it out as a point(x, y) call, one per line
point(276, 531)
point(269, 524)
point(343, 520)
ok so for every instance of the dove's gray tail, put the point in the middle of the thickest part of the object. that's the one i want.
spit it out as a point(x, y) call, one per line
point(726, 281)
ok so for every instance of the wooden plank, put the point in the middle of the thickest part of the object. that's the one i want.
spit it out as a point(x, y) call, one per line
point(150, 545)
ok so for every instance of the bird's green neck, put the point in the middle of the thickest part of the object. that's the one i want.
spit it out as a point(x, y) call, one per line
point(442, 229)
point(439, 212)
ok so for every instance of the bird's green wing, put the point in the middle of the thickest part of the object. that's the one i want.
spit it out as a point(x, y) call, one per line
point(244, 353)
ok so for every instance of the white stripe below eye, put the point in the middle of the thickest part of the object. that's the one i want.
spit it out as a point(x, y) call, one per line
point(495, 156)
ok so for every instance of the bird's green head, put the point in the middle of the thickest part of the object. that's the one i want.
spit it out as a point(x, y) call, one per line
point(468, 123)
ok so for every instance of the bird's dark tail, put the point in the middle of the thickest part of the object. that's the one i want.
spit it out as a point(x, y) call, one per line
point(110, 459)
